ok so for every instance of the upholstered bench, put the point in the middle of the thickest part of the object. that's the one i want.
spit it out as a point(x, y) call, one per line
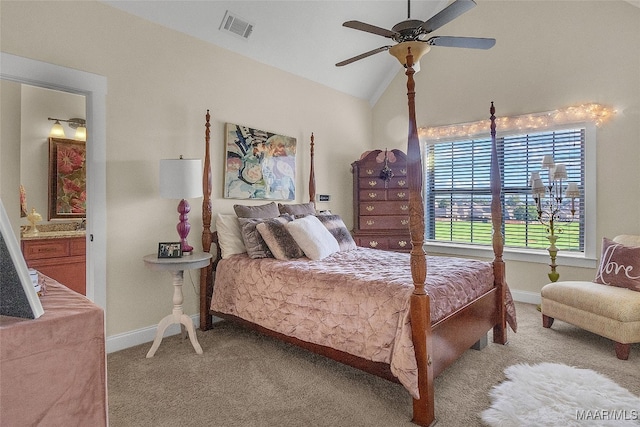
point(610, 311)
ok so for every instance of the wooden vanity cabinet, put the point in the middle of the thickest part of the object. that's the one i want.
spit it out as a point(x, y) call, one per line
point(61, 258)
point(381, 206)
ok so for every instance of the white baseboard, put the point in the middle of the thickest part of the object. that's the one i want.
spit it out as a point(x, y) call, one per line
point(144, 335)
point(148, 334)
point(526, 296)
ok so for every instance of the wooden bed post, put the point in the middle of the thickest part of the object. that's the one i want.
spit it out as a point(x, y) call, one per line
point(312, 177)
point(500, 329)
point(423, 408)
point(207, 272)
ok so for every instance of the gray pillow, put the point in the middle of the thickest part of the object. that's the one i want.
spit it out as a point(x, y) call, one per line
point(336, 227)
point(255, 244)
point(297, 208)
point(270, 210)
point(278, 239)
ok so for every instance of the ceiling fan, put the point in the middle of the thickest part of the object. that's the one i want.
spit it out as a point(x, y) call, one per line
point(414, 31)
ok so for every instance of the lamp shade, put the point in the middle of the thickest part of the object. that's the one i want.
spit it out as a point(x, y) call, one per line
point(572, 191)
point(57, 131)
point(418, 49)
point(547, 162)
point(180, 178)
point(560, 172)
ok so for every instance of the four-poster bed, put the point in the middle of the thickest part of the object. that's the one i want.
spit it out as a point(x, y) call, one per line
point(426, 337)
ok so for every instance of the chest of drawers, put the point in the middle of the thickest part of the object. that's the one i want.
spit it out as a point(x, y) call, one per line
point(381, 206)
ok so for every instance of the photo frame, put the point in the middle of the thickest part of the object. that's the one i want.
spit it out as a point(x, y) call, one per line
point(259, 164)
point(67, 179)
point(169, 250)
point(19, 296)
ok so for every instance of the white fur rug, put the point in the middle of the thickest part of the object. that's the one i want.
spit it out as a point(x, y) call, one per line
point(551, 394)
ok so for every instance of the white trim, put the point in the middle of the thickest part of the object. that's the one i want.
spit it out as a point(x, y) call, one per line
point(526, 297)
point(94, 88)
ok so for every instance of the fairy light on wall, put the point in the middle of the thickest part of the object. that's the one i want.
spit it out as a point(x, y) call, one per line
point(596, 113)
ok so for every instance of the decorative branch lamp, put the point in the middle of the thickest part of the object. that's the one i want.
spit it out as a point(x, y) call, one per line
point(181, 179)
point(548, 199)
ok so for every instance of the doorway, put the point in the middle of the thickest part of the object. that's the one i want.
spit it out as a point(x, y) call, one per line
point(94, 88)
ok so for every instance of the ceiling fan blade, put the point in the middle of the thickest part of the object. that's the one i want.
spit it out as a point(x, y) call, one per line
point(362, 56)
point(468, 42)
point(357, 25)
point(448, 14)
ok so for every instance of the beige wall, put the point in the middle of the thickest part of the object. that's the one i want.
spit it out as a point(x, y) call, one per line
point(160, 84)
point(548, 55)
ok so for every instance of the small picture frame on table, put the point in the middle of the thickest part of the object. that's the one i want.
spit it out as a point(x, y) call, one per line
point(169, 250)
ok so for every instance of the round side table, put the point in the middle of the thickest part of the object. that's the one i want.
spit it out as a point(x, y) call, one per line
point(176, 267)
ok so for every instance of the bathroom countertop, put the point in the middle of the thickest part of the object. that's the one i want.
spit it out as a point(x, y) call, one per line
point(54, 234)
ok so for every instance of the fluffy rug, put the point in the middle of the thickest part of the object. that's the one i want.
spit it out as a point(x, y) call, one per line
point(551, 394)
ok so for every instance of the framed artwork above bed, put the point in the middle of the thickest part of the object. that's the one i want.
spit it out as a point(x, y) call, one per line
point(259, 164)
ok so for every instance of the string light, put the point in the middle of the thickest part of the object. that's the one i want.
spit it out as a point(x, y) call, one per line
point(596, 113)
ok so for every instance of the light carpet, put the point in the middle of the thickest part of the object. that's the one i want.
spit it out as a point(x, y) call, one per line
point(553, 394)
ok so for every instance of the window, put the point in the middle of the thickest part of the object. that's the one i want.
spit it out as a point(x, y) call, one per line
point(458, 194)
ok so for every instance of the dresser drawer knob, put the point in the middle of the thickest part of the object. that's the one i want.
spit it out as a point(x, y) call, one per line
point(402, 243)
point(369, 171)
point(373, 183)
point(404, 207)
point(402, 183)
point(370, 208)
point(370, 222)
point(403, 171)
point(373, 195)
point(373, 243)
point(402, 194)
point(404, 222)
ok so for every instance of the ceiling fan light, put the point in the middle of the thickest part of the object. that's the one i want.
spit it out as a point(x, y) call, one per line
point(418, 49)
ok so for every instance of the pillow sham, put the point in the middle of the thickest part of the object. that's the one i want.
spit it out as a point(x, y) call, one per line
point(313, 238)
point(619, 265)
point(297, 208)
point(280, 242)
point(253, 241)
point(229, 235)
point(338, 230)
point(269, 210)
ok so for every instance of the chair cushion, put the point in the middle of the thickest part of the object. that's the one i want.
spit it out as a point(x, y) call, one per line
point(608, 301)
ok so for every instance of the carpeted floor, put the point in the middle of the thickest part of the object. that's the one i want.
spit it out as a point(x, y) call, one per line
point(244, 379)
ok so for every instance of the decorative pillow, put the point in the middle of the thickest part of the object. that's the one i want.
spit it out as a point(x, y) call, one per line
point(339, 231)
point(278, 239)
point(619, 265)
point(253, 241)
point(270, 210)
point(229, 235)
point(313, 238)
point(297, 209)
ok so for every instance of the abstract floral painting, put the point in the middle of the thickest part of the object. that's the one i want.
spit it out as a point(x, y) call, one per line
point(67, 178)
point(259, 164)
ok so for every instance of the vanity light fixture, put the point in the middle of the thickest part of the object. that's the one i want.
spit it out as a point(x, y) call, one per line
point(57, 131)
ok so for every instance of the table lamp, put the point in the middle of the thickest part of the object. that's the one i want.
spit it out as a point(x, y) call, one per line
point(181, 179)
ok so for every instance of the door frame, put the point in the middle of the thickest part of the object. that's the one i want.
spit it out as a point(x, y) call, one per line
point(94, 87)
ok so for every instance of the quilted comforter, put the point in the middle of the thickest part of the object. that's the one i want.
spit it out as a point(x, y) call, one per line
point(355, 301)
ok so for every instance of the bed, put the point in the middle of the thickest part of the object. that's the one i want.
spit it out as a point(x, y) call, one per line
point(374, 310)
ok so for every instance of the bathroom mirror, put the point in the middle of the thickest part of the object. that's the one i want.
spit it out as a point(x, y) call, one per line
point(67, 178)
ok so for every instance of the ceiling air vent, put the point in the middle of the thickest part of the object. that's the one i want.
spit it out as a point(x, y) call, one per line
point(236, 25)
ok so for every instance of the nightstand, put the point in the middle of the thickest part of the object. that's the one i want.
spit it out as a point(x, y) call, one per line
point(177, 266)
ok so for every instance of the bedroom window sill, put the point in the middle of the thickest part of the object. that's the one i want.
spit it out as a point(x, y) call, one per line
point(511, 254)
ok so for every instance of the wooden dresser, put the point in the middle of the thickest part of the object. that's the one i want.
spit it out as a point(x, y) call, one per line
point(61, 258)
point(381, 206)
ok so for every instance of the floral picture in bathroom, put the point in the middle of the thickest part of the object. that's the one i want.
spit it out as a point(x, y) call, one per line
point(67, 178)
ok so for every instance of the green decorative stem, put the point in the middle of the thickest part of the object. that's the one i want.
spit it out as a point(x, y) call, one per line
point(553, 251)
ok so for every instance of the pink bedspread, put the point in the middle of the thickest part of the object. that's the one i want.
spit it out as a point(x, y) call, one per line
point(354, 301)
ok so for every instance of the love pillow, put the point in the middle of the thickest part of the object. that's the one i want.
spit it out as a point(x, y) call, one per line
point(619, 265)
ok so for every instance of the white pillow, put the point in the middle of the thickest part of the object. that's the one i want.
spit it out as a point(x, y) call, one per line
point(313, 238)
point(229, 235)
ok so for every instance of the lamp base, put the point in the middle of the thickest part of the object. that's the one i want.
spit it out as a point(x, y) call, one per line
point(183, 226)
